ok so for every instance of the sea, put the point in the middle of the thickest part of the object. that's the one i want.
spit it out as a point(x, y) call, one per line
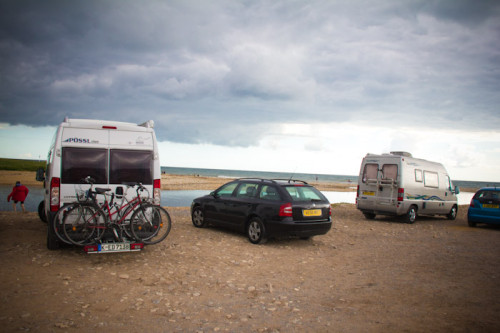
point(183, 198)
point(308, 177)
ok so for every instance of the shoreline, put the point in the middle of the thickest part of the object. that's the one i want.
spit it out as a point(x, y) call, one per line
point(172, 182)
point(169, 182)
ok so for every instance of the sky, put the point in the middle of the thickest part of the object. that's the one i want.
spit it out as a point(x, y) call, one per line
point(289, 86)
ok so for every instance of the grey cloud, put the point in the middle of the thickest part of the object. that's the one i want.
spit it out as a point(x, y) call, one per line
point(227, 72)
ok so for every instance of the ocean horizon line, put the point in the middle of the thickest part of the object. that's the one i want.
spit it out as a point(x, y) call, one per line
point(311, 177)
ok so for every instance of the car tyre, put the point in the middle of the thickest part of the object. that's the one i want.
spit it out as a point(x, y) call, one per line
point(452, 215)
point(256, 232)
point(411, 215)
point(471, 224)
point(369, 216)
point(198, 218)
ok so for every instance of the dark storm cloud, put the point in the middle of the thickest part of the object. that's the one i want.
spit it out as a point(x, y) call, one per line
point(227, 72)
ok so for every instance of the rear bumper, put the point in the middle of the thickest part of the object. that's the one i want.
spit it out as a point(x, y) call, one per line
point(480, 218)
point(297, 229)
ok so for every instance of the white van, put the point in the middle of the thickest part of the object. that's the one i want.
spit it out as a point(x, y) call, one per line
point(111, 152)
point(398, 184)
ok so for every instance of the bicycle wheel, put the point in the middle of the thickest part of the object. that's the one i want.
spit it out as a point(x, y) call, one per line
point(150, 224)
point(58, 222)
point(84, 224)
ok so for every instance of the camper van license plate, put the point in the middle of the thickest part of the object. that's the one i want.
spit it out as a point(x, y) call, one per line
point(490, 206)
point(368, 193)
point(311, 212)
point(115, 247)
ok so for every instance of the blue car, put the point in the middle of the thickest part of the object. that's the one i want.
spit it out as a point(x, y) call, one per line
point(485, 207)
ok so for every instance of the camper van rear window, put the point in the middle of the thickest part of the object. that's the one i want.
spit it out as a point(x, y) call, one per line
point(78, 163)
point(131, 166)
point(370, 172)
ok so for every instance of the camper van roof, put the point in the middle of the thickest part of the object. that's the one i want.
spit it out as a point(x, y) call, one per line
point(98, 124)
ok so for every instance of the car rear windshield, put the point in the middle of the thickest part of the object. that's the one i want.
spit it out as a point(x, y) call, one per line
point(487, 195)
point(305, 193)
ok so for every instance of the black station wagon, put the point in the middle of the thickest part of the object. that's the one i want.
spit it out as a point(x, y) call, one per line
point(264, 208)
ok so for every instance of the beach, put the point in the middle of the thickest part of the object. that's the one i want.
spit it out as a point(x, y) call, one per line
point(363, 276)
point(168, 182)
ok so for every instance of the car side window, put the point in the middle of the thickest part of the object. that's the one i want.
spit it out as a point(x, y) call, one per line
point(226, 190)
point(247, 190)
point(269, 193)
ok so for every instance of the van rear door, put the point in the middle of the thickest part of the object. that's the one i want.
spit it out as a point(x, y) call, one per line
point(387, 186)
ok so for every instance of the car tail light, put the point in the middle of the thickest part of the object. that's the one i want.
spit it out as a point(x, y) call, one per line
point(401, 194)
point(286, 210)
point(55, 187)
point(472, 203)
point(330, 210)
point(157, 191)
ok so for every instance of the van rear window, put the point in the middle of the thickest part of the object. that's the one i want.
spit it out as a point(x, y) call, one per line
point(370, 172)
point(131, 166)
point(78, 163)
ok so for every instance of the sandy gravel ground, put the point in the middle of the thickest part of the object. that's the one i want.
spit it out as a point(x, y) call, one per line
point(363, 276)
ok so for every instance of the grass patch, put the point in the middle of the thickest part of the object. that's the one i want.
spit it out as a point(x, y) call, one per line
point(20, 165)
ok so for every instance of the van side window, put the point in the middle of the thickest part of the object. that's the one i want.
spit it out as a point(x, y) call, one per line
point(418, 176)
point(78, 163)
point(431, 179)
point(390, 171)
point(130, 166)
point(370, 172)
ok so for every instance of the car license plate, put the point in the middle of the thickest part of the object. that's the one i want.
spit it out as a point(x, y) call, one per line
point(490, 206)
point(114, 247)
point(368, 193)
point(311, 212)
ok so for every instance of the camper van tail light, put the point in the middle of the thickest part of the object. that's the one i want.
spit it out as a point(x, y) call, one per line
point(109, 127)
point(401, 194)
point(157, 191)
point(286, 210)
point(55, 185)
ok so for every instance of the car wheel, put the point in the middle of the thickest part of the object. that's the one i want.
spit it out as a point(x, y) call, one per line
point(369, 216)
point(453, 213)
point(256, 232)
point(471, 224)
point(198, 218)
point(411, 215)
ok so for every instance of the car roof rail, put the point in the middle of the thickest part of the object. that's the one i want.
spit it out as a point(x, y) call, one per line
point(292, 181)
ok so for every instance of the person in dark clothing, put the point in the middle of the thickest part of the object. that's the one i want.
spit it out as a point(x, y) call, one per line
point(18, 194)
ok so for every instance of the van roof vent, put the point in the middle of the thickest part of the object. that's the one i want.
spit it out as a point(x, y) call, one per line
point(401, 153)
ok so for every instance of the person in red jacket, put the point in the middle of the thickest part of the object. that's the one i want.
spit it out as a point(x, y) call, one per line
point(18, 194)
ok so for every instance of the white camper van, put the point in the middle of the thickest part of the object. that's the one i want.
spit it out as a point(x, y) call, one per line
point(111, 152)
point(398, 184)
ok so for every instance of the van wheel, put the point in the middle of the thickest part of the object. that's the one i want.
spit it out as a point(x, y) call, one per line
point(52, 240)
point(411, 215)
point(41, 211)
point(369, 216)
point(453, 213)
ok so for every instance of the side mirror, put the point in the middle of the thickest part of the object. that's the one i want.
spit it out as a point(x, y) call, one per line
point(40, 174)
point(457, 190)
point(214, 194)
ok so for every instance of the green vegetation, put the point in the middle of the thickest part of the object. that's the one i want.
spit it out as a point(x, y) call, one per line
point(20, 165)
